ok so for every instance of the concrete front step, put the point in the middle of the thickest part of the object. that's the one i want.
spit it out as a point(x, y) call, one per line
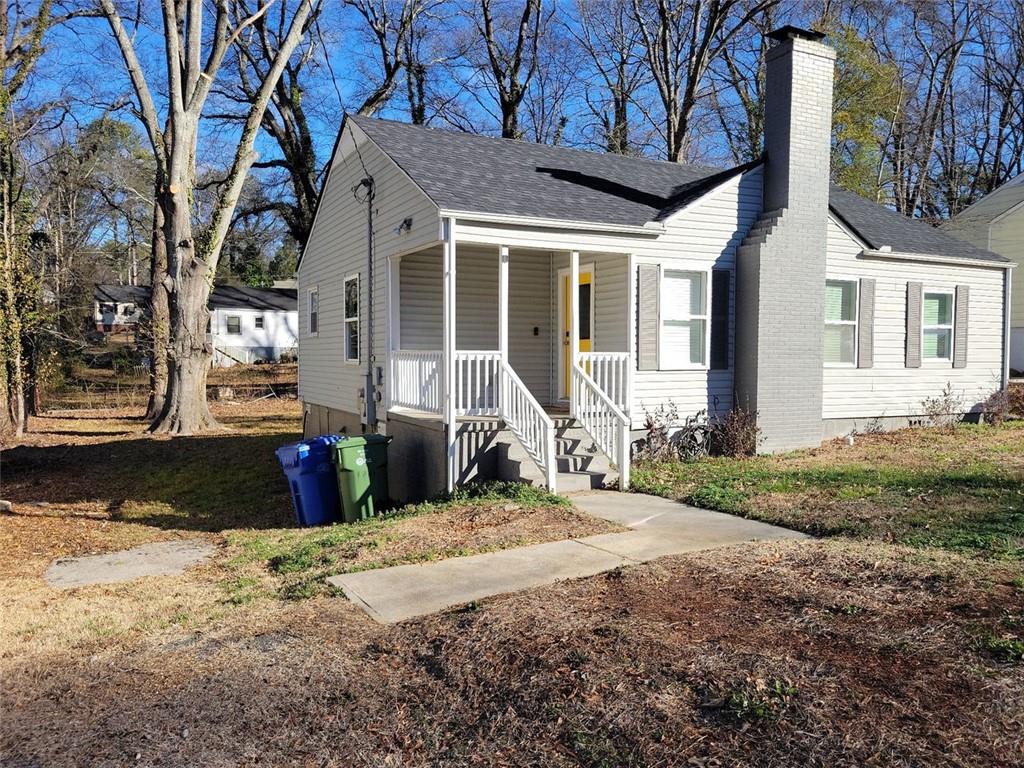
point(579, 464)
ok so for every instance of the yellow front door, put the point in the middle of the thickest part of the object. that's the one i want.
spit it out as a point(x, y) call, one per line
point(586, 325)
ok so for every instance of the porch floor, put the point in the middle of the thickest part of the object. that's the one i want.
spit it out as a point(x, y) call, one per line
point(659, 526)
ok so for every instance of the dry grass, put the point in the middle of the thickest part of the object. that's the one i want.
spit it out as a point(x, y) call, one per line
point(832, 652)
point(780, 654)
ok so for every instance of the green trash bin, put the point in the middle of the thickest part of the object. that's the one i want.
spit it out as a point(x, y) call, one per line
point(362, 467)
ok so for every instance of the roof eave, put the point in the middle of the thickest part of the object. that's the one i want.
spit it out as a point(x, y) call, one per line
point(883, 253)
point(651, 228)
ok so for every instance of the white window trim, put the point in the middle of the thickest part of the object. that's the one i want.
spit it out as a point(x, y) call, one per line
point(939, 361)
point(227, 327)
point(354, 319)
point(855, 322)
point(706, 317)
point(309, 311)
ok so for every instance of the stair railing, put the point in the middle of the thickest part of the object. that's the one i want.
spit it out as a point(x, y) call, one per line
point(526, 419)
point(602, 419)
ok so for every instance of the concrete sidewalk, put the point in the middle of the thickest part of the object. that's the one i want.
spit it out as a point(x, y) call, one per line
point(659, 527)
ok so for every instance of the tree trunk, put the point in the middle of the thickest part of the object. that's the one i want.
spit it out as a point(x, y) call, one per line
point(159, 316)
point(185, 410)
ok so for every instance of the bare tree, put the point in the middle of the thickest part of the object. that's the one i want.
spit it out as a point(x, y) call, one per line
point(681, 41)
point(511, 40)
point(191, 259)
point(611, 40)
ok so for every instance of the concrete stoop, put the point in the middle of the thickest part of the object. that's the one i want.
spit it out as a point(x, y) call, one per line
point(581, 465)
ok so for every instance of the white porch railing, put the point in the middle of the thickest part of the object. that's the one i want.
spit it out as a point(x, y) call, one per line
point(525, 417)
point(477, 382)
point(602, 419)
point(610, 371)
point(416, 380)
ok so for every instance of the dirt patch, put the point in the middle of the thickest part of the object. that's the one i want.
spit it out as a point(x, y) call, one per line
point(771, 654)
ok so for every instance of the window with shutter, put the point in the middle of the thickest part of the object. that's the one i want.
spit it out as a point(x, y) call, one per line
point(840, 322)
point(684, 320)
point(937, 325)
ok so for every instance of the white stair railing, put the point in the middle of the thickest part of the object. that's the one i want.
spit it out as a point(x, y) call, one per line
point(416, 380)
point(477, 382)
point(610, 371)
point(602, 419)
point(526, 419)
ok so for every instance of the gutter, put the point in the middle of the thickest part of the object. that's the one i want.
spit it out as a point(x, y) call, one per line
point(883, 253)
point(651, 228)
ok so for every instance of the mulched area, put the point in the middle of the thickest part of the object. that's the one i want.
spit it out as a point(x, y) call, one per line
point(814, 653)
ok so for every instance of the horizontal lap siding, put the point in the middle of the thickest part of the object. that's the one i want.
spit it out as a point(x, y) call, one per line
point(337, 248)
point(890, 388)
point(530, 298)
point(1008, 240)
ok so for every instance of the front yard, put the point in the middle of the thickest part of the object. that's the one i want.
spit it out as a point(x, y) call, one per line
point(894, 639)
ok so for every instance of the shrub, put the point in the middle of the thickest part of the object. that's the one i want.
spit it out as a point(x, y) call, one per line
point(944, 410)
point(657, 445)
point(996, 407)
point(1015, 398)
point(736, 434)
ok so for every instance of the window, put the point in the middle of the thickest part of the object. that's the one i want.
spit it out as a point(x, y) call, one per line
point(314, 311)
point(840, 322)
point(234, 325)
point(684, 320)
point(352, 318)
point(937, 325)
point(258, 321)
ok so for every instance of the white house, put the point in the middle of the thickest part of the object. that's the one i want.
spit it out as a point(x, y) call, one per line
point(520, 308)
point(246, 324)
point(251, 324)
point(117, 308)
point(996, 222)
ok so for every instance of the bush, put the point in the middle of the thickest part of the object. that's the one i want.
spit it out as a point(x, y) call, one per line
point(1015, 400)
point(996, 407)
point(944, 410)
point(736, 434)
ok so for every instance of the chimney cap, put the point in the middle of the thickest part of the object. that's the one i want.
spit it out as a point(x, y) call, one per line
point(789, 32)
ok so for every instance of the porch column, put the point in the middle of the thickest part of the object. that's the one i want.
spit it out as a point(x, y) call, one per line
point(394, 325)
point(448, 351)
point(574, 324)
point(503, 265)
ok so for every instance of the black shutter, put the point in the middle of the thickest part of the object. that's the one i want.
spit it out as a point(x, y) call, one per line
point(721, 280)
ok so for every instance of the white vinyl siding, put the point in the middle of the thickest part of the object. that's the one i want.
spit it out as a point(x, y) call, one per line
point(337, 248)
point(683, 341)
point(840, 322)
point(889, 388)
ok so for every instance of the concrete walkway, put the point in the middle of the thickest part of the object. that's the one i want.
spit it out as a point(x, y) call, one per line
point(659, 527)
point(162, 558)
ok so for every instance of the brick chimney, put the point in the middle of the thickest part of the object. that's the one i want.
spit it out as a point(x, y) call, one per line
point(781, 265)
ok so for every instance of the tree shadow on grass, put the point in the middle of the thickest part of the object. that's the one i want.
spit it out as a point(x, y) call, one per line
point(207, 483)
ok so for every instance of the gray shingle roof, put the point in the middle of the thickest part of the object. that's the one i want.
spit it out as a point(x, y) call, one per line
point(879, 226)
point(468, 172)
point(222, 297)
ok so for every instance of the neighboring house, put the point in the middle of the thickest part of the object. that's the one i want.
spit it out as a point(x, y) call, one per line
point(250, 324)
point(529, 301)
point(996, 222)
point(118, 308)
point(246, 324)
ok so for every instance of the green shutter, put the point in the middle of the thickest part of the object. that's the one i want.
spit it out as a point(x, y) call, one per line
point(963, 300)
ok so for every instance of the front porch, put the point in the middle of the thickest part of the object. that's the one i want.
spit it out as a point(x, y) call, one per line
point(516, 337)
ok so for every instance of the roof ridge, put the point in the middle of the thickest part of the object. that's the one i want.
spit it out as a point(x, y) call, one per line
point(615, 156)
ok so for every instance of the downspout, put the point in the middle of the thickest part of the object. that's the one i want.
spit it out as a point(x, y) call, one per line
point(369, 388)
point(1007, 273)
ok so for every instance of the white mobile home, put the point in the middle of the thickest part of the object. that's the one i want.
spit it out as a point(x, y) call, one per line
point(519, 303)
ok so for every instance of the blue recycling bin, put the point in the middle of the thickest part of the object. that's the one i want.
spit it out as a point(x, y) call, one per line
point(312, 480)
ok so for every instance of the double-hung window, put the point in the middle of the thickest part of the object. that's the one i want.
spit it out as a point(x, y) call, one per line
point(840, 322)
point(233, 325)
point(352, 318)
point(937, 325)
point(313, 308)
point(684, 320)
point(258, 322)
